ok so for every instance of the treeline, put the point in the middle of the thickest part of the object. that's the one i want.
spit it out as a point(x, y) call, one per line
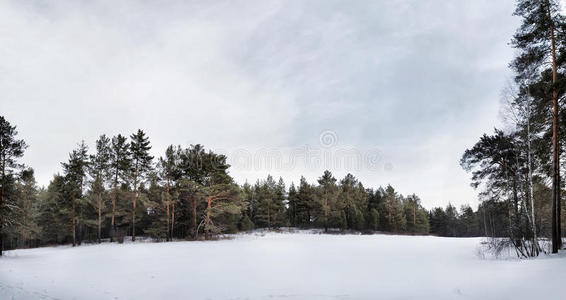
point(520, 168)
point(119, 190)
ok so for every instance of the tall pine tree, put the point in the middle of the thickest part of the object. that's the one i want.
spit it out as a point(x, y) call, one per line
point(141, 163)
point(10, 150)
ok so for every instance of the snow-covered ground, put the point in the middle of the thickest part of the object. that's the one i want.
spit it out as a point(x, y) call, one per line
point(280, 266)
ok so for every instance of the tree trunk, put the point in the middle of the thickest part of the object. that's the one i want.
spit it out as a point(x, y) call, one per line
point(134, 204)
point(167, 204)
point(326, 214)
point(2, 203)
point(556, 234)
point(73, 221)
point(269, 214)
point(172, 218)
point(195, 215)
point(207, 222)
point(536, 247)
point(99, 216)
point(415, 216)
point(114, 199)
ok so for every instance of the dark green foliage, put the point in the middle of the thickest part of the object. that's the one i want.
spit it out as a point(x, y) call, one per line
point(75, 171)
point(449, 222)
point(269, 203)
point(141, 165)
point(11, 149)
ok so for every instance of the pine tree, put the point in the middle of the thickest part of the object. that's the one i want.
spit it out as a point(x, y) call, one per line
point(327, 199)
point(99, 169)
point(120, 163)
point(354, 201)
point(192, 167)
point(75, 172)
point(169, 170)
point(54, 226)
point(292, 211)
point(27, 202)
point(304, 204)
point(394, 215)
point(540, 39)
point(223, 203)
point(141, 163)
point(10, 150)
point(416, 216)
point(269, 202)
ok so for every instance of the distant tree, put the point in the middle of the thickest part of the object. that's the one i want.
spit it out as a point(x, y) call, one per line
point(353, 199)
point(99, 169)
point(222, 196)
point(394, 215)
point(269, 203)
point(192, 166)
point(416, 216)
point(141, 163)
point(75, 171)
point(168, 167)
point(438, 222)
point(304, 204)
point(468, 222)
point(292, 211)
point(120, 163)
point(27, 202)
point(327, 199)
point(373, 209)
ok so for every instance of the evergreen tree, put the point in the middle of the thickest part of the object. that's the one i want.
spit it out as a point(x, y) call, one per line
point(120, 163)
point(53, 213)
point(468, 222)
point(99, 169)
point(141, 163)
point(75, 171)
point(416, 216)
point(192, 166)
point(10, 150)
point(373, 210)
point(269, 201)
point(223, 203)
point(329, 212)
point(304, 204)
point(394, 215)
point(27, 202)
point(292, 211)
point(540, 39)
point(169, 170)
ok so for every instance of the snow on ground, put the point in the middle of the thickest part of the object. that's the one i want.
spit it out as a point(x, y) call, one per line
point(280, 266)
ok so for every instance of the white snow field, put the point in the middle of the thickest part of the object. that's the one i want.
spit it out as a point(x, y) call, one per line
point(280, 266)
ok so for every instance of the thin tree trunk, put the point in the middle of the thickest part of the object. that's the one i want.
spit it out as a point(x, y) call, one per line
point(2, 203)
point(73, 221)
point(207, 223)
point(167, 203)
point(415, 216)
point(326, 214)
point(195, 215)
point(114, 199)
point(268, 214)
point(556, 234)
point(99, 216)
point(134, 204)
point(531, 187)
point(172, 218)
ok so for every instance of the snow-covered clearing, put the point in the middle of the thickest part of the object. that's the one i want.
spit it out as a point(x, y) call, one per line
point(279, 266)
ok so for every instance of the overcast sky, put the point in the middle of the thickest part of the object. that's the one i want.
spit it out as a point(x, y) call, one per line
point(391, 91)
